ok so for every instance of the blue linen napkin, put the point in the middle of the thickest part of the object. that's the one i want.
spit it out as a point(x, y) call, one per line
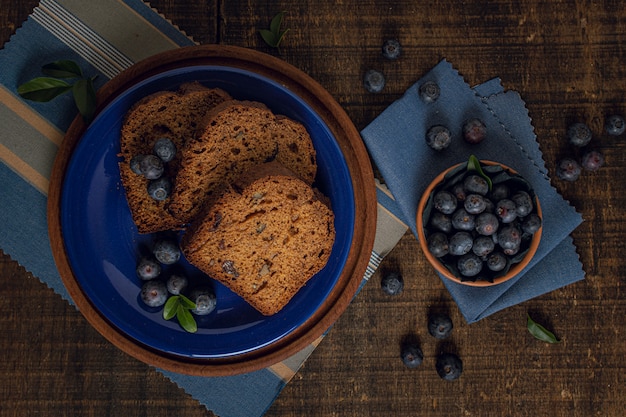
point(104, 38)
point(395, 139)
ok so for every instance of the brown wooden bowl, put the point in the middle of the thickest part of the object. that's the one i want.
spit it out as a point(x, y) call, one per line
point(357, 160)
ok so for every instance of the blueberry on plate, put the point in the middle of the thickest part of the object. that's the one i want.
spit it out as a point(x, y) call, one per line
point(449, 366)
point(392, 283)
point(148, 269)
point(439, 325)
point(176, 284)
point(166, 251)
point(154, 293)
point(374, 81)
point(205, 300)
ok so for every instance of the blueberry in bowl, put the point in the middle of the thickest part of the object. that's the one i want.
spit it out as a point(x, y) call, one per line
point(495, 218)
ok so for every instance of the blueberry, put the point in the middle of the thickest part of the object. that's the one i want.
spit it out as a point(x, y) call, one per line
point(439, 325)
point(568, 169)
point(374, 81)
point(459, 192)
point(449, 366)
point(135, 164)
point(475, 204)
point(438, 244)
point(474, 131)
point(391, 49)
point(487, 224)
point(438, 137)
point(483, 246)
point(509, 239)
point(506, 210)
point(411, 354)
point(460, 243)
point(176, 284)
point(165, 149)
point(615, 125)
point(531, 223)
point(205, 300)
point(445, 202)
point(475, 184)
point(500, 191)
point(523, 203)
point(152, 167)
point(496, 261)
point(148, 269)
point(160, 189)
point(592, 160)
point(429, 91)
point(166, 251)
point(392, 283)
point(154, 293)
point(441, 222)
point(462, 220)
point(579, 134)
point(469, 265)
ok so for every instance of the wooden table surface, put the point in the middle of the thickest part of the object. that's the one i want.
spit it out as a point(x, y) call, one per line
point(567, 58)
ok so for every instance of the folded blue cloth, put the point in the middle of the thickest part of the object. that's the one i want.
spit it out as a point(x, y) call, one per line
point(395, 140)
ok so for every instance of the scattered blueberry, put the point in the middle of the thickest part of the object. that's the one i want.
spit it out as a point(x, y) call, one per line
point(392, 283)
point(429, 91)
point(374, 81)
point(449, 366)
point(176, 284)
point(152, 167)
point(523, 203)
point(462, 220)
point(438, 137)
point(615, 125)
point(445, 202)
point(475, 184)
point(154, 293)
point(205, 300)
point(469, 265)
point(568, 169)
point(483, 246)
point(391, 49)
point(165, 149)
point(579, 134)
point(474, 131)
point(592, 160)
point(438, 244)
point(439, 325)
point(160, 189)
point(506, 210)
point(496, 261)
point(135, 164)
point(460, 243)
point(487, 224)
point(148, 269)
point(166, 251)
point(411, 354)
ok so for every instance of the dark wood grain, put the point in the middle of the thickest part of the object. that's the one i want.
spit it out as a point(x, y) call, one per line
point(566, 58)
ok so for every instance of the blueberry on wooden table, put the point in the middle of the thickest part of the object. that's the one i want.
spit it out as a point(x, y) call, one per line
point(449, 366)
point(411, 354)
point(440, 325)
point(615, 125)
point(568, 169)
point(592, 160)
point(392, 283)
point(391, 49)
point(579, 134)
point(374, 81)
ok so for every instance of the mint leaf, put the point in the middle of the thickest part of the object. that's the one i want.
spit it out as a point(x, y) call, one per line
point(43, 89)
point(62, 69)
point(85, 97)
point(186, 302)
point(171, 307)
point(473, 164)
point(540, 332)
point(186, 320)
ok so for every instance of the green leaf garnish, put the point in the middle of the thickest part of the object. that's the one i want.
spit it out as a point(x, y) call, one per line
point(180, 307)
point(62, 69)
point(44, 89)
point(540, 332)
point(273, 36)
point(473, 164)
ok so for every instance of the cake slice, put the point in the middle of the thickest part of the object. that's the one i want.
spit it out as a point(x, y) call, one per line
point(264, 238)
point(237, 135)
point(167, 114)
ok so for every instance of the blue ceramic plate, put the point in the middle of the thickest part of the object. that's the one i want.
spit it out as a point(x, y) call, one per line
point(103, 245)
